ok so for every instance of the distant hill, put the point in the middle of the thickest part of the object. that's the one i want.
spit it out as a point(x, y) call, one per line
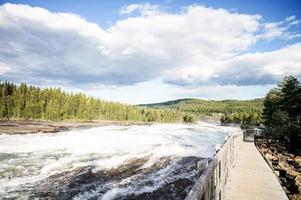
point(208, 107)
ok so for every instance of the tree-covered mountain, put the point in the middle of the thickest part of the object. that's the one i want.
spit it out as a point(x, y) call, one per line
point(239, 111)
point(30, 102)
point(207, 107)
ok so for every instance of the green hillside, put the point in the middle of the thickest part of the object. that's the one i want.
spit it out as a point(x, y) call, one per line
point(248, 111)
point(207, 107)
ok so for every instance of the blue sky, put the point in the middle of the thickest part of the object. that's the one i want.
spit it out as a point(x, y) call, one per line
point(151, 51)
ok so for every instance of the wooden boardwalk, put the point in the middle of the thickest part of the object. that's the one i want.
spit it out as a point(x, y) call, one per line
point(251, 178)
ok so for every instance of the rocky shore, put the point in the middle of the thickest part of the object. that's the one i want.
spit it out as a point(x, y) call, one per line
point(33, 126)
point(286, 165)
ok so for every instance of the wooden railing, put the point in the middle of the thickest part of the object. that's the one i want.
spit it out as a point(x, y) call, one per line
point(214, 173)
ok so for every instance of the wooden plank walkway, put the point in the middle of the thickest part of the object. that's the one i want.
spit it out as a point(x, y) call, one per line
point(251, 178)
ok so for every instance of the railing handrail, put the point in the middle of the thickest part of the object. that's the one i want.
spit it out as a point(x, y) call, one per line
point(213, 179)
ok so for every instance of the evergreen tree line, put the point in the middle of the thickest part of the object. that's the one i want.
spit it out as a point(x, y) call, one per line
point(233, 111)
point(282, 112)
point(204, 107)
point(252, 117)
point(30, 102)
point(209, 107)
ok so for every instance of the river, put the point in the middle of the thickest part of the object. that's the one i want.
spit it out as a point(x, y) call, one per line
point(110, 162)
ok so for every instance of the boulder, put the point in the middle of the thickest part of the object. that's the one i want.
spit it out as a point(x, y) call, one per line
point(281, 172)
point(262, 144)
point(292, 173)
point(298, 182)
point(298, 160)
point(264, 150)
point(296, 164)
point(290, 161)
point(284, 166)
point(281, 158)
point(273, 149)
point(271, 157)
point(289, 155)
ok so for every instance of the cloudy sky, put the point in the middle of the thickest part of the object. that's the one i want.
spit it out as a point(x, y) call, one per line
point(151, 51)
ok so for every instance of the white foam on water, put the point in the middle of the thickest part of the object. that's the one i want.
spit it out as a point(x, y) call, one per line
point(25, 159)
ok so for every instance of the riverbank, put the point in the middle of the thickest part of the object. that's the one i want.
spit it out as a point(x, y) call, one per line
point(286, 165)
point(39, 126)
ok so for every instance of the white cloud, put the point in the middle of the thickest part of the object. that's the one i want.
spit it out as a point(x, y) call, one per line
point(290, 18)
point(272, 31)
point(262, 68)
point(144, 9)
point(198, 45)
point(224, 92)
point(4, 68)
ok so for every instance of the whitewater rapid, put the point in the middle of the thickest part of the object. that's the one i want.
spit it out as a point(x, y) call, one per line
point(108, 162)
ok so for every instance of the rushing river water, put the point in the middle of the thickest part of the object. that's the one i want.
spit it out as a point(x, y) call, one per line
point(110, 162)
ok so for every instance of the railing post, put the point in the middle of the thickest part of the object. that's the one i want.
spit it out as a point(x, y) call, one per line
point(201, 166)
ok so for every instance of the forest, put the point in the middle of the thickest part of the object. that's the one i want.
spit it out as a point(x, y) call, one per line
point(233, 111)
point(282, 113)
point(30, 102)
